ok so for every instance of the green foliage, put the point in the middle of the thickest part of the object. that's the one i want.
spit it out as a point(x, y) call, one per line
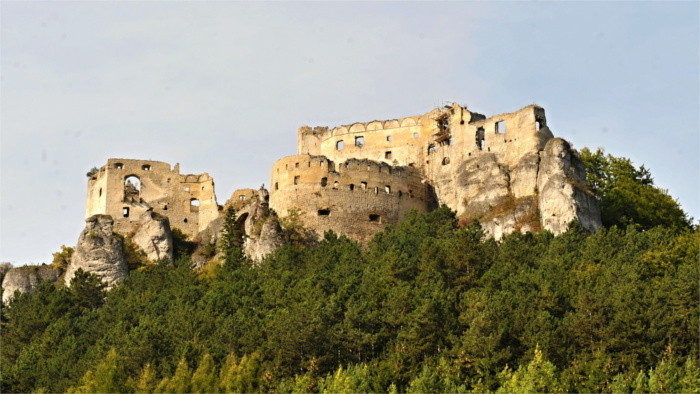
point(93, 171)
point(539, 376)
point(232, 239)
point(627, 194)
point(61, 259)
point(426, 306)
point(181, 246)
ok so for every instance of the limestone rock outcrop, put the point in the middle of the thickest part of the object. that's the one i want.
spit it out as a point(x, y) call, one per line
point(26, 278)
point(563, 196)
point(262, 228)
point(153, 236)
point(99, 251)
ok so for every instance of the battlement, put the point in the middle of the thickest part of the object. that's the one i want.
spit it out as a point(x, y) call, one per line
point(357, 197)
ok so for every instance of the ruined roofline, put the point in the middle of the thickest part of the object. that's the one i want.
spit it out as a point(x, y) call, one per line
point(408, 121)
point(162, 164)
point(332, 165)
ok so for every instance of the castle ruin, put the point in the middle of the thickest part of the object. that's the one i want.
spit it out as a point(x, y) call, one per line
point(508, 171)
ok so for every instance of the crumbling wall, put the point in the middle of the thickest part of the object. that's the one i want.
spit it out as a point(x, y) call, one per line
point(188, 201)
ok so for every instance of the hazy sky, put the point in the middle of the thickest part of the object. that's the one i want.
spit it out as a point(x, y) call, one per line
point(221, 87)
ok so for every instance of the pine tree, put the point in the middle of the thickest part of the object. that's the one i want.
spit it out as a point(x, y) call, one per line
point(232, 239)
point(204, 379)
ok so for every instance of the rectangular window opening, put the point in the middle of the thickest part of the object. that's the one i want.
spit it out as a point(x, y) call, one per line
point(360, 141)
point(373, 217)
point(387, 154)
point(324, 212)
point(500, 127)
point(125, 212)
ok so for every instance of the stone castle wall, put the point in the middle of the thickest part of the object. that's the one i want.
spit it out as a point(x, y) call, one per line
point(356, 197)
point(188, 201)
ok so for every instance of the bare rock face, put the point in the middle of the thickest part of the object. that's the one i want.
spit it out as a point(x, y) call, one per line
point(99, 251)
point(26, 279)
point(154, 236)
point(563, 196)
point(262, 228)
point(271, 237)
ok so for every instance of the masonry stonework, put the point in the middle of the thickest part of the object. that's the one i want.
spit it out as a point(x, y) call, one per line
point(125, 189)
point(507, 171)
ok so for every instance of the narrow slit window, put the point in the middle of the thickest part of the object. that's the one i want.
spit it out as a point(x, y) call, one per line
point(296, 180)
point(277, 186)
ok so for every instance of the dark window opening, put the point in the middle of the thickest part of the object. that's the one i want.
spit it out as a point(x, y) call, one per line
point(410, 193)
point(445, 160)
point(431, 148)
point(100, 192)
point(387, 155)
point(146, 167)
point(277, 186)
point(185, 220)
point(376, 190)
point(480, 138)
point(339, 145)
point(296, 165)
point(388, 138)
point(324, 182)
point(324, 212)
point(400, 193)
point(500, 127)
point(165, 207)
point(359, 141)
point(118, 166)
point(125, 212)
point(352, 187)
point(373, 217)
point(296, 180)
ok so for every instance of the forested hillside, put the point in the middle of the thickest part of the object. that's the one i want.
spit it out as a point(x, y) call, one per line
point(426, 306)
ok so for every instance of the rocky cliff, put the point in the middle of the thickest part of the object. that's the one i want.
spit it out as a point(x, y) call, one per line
point(26, 278)
point(99, 251)
point(154, 237)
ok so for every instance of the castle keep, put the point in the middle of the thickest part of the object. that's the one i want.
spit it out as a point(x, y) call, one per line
point(508, 171)
point(125, 189)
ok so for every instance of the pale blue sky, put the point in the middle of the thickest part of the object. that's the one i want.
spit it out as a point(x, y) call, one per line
point(221, 87)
